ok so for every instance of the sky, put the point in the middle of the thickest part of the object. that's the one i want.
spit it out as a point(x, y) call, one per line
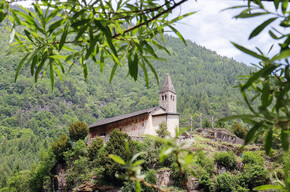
point(215, 29)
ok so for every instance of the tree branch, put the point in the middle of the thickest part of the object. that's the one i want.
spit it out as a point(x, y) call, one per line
point(150, 20)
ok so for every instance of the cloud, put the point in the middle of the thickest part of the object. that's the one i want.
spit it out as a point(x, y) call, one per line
point(215, 29)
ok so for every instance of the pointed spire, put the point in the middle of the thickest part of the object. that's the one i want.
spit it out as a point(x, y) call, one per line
point(167, 85)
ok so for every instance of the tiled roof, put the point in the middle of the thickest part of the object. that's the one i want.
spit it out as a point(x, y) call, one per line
point(121, 117)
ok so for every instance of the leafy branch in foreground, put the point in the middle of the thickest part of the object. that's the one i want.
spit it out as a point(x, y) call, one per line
point(270, 82)
point(172, 146)
point(58, 35)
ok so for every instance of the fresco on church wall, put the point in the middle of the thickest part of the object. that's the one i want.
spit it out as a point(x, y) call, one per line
point(134, 126)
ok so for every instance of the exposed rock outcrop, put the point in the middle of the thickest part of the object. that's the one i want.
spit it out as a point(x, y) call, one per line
point(58, 180)
point(218, 134)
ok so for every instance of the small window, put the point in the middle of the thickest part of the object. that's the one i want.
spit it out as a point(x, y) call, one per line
point(165, 97)
point(173, 98)
point(162, 97)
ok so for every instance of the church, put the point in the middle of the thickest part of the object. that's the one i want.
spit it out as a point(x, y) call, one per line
point(147, 121)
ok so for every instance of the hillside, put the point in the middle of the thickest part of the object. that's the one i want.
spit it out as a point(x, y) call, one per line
point(32, 116)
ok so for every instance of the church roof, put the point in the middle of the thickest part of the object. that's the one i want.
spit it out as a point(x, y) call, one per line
point(121, 117)
point(167, 85)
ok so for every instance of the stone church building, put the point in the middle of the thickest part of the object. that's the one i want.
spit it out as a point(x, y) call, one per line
point(146, 121)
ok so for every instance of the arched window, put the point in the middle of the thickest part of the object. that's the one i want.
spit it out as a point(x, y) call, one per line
point(162, 97)
point(165, 97)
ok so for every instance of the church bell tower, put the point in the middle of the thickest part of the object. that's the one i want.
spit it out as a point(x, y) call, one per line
point(167, 95)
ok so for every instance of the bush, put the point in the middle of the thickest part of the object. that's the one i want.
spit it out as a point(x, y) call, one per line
point(242, 189)
point(226, 159)
point(78, 130)
point(206, 163)
point(162, 131)
point(94, 148)
point(177, 177)
point(129, 186)
point(206, 183)
point(60, 146)
point(116, 146)
point(253, 176)
point(225, 182)
point(238, 130)
point(150, 178)
point(252, 158)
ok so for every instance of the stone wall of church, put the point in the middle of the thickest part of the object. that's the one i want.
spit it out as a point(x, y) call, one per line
point(134, 126)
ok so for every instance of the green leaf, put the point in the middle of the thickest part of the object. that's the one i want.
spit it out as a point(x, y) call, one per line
point(137, 155)
point(268, 69)
point(20, 66)
point(51, 75)
point(178, 34)
point(117, 159)
point(28, 35)
point(284, 140)
point(63, 36)
point(265, 97)
point(284, 54)
point(269, 141)
point(252, 131)
point(138, 186)
point(12, 35)
point(284, 6)
point(55, 25)
point(248, 15)
point(40, 66)
point(80, 23)
point(137, 163)
point(133, 67)
point(267, 187)
point(188, 159)
point(260, 28)
point(276, 3)
point(2, 16)
point(113, 72)
point(249, 52)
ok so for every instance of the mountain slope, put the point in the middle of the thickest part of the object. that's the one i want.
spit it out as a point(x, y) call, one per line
point(31, 115)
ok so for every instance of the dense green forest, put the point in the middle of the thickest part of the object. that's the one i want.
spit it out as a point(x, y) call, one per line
point(32, 116)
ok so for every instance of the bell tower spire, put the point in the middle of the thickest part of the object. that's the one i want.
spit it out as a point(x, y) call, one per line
point(167, 95)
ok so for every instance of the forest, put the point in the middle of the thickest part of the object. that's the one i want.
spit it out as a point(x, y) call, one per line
point(32, 115)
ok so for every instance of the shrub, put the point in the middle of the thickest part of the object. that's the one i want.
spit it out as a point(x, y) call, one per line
point(162, 131)
point(253, 176)
point(225, 182)
point(150, 178)
point(206, 163)
point(252, 158)
point(242, 189)
point(94, 148)
point(226, 159)
point(177, 177)
point(206, 183)
point(78, 130)
point(238, 130)
point(60, 146)
point(116, 146)
point(129, 186)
